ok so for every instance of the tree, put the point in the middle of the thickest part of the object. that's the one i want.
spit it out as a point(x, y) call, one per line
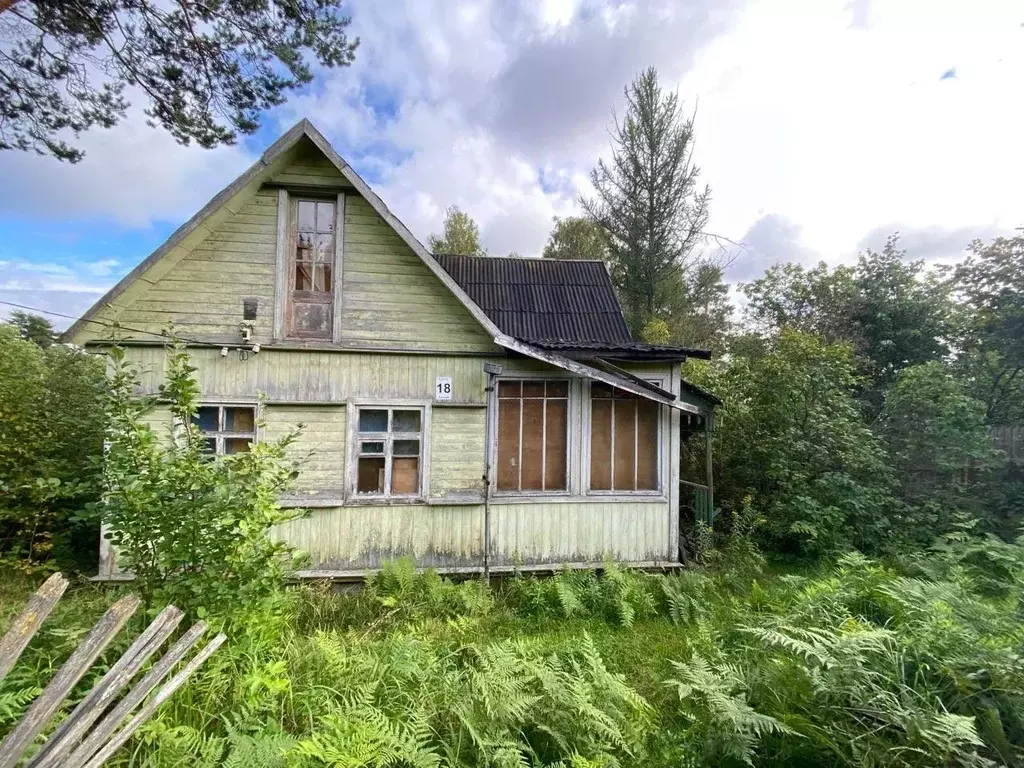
point(932, 424)
point(648, 201)
point(701, 314)
point(33, 328)
point(461, 235)
point(204, 69)
point(193, 528)
point(815, 300)
point(791, 436)
point(51, 441)
point(901, 313)
point(576, 237)
point(892, 312)
point(989, 285)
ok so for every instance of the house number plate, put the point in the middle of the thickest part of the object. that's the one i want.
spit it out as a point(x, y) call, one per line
point(443, 388)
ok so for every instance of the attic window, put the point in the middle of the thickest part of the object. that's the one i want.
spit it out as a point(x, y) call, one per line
point(311, 269)
point(310, 244)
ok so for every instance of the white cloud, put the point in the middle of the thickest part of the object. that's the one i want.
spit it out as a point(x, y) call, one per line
point(132, 174)
point(102, 267)
point(821, 124)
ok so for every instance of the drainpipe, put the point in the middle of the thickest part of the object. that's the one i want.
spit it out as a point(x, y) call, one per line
point(493, 371)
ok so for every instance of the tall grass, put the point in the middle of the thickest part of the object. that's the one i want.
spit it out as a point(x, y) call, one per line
point(860, 664)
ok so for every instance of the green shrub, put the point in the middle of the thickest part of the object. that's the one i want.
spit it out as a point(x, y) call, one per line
point(193, 528)
point(618, 596)
point(51, 440)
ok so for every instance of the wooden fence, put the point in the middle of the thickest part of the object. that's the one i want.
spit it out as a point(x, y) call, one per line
point(111, 712)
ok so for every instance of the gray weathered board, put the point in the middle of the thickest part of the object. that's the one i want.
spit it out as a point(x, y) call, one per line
point(96, 728)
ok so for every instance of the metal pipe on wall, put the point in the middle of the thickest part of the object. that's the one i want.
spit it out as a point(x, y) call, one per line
point(493, 371)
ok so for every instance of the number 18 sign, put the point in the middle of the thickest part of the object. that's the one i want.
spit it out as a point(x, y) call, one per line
point(443, 388)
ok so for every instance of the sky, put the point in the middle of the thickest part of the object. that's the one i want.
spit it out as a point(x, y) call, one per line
point(821, 127)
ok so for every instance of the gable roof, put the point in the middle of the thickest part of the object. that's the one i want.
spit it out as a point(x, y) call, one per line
point(542, 300)
point(598, 296)
point(255, 175)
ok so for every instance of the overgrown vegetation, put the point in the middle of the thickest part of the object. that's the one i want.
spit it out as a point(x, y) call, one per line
point(915, 662)
point(51, 437)
point(193, 529)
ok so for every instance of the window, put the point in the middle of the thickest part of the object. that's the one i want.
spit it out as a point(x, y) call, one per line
point(623, 440)
point(532, 435)
point(389, 452)
point(311, 278)
point(226, 429)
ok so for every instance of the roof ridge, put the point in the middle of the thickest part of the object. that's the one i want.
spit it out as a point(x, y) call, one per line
point(537, 259)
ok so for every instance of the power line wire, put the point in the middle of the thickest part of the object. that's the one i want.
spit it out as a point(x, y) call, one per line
point(117, 326)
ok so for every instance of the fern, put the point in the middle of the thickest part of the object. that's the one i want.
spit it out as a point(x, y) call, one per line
point(712, 697)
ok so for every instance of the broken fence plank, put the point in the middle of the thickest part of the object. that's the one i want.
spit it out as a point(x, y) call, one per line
point(25, 626)
point(107, 689)
point(43, 708)
point(106, 726)
point(151, 706)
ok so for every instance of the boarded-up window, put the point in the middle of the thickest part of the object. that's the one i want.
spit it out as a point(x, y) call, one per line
point(532, 435)
point(226, 429)
point(623, 440)
point(311, 269)
point(389, 452)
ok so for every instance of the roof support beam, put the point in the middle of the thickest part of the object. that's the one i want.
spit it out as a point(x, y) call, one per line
point(575, 366)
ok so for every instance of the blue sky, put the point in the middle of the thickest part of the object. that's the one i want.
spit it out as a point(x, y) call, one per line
point(822, 126)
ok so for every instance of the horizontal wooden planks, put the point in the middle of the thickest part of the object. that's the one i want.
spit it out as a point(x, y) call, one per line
point(320, 446)
point(457, 451)
point(392, 296)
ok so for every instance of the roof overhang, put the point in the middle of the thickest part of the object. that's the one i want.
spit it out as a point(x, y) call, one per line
point(614, 378)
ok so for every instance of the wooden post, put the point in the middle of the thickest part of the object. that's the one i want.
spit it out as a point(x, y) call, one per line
point(709, 424)
point(29, 620)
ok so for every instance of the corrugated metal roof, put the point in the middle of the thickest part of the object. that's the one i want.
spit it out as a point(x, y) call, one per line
point(543, 300)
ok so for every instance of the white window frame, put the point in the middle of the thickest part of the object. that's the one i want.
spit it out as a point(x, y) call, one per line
point(570, 447)
point(220, 434)
point(287, 205)
point(663, 429)
point(356, 438)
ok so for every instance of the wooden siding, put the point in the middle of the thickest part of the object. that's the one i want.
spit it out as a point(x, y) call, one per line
point(325, 377)
point(389, 294)
point(310, 168)
point(348, 539)
point(202, 294)
point(320, 445)
point(457, 452)
point(390, 299)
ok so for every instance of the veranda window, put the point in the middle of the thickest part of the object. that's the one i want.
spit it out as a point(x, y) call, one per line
point(532, 435)
point(311, 273)
point(226, 429)
point(389, 452)
point(623, 440)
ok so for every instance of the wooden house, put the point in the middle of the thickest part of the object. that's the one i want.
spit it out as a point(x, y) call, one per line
point(473, 413)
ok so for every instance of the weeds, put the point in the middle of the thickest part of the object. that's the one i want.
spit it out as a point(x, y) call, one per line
point(915, 664)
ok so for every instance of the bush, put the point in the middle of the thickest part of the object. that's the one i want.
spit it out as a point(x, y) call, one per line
point(51, 441)
point(194, 529)
point(791, 435)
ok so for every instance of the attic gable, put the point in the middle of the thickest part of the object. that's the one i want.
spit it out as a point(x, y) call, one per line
point(230, 237)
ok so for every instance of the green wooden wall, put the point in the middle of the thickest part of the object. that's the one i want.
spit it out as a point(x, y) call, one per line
point(390, 299)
